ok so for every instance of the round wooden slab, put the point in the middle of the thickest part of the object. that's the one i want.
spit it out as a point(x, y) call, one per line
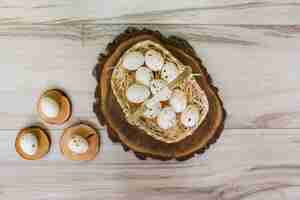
point(64, 103)
point(43, 143)
point(86, 132)
point(132, 138)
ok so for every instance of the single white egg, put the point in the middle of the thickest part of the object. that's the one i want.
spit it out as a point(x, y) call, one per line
point(160, 87)
point(166, 118)
point(133, 60)
point(190, 116)
point(157, 85)
point(152, 111)
point(169, 72)
point(137, 93)
point(49, 107)
point(165, 94)
point(154, 60)
point(78, 144)
point(29, 143)
point(144, 75)
point(178, 100)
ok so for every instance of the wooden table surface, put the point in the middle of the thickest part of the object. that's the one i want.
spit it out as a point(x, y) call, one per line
point(250, 47)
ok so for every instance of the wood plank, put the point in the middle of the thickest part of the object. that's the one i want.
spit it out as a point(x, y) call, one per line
point(155, 11)
point(250, 48)
point(256, 69)
point(244, 164)
point(41, 57)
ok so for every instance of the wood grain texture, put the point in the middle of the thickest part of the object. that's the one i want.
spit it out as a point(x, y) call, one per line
point(149, 12)
point(251, 49)
point(262, 163)
point(256, 68)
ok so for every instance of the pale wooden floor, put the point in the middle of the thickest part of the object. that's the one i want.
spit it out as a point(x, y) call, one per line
point(250, 47)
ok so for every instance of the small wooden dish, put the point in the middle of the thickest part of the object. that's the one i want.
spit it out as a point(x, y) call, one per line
point(86, 132)
point(43, 143)
point(109, 111)
point(65, 107)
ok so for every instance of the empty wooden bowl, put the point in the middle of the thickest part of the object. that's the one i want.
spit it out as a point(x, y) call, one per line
point(88, 133)
point(57, 103)
point(42, 143)
point(110, 113)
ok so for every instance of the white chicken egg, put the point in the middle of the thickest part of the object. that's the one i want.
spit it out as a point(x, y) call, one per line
point(78, 144)
point(157, 85)
point(133, 60)
point(154, 60)
point(49, 107)
point(166, 118)
point(29, 143)
point(137, 93)
point(169, 72)
point(144, 75)
point(178, 100)
point(190, 116)
point(152, 111)
point(160, 88)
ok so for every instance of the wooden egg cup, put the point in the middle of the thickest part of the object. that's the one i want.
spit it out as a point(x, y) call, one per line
point(65, 107)
point(85, 131)
point(43, 143)
point(109, 112)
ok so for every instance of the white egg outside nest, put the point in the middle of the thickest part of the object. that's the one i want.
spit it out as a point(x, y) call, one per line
point(78, 144)
point(49, 107)
point(29, 143)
